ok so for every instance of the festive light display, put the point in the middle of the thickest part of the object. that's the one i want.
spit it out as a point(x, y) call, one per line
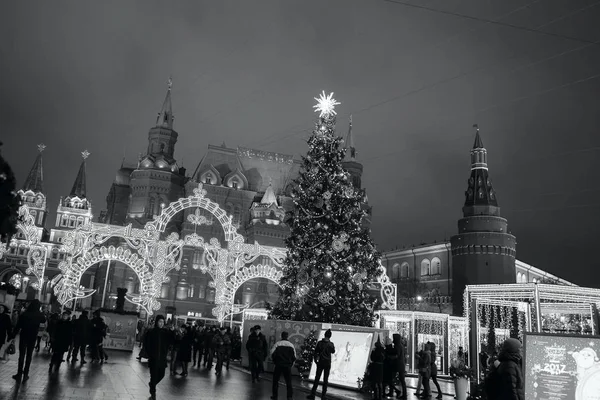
point(531, 307)
point(152, 259)
point(331, 259)
point(37, 252)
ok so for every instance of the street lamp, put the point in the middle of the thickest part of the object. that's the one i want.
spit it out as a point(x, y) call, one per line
point(419, 298)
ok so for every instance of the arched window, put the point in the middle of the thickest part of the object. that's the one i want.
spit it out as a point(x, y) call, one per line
point(519, 277)
point(404, 270)
point(534, 280)
point(191, 290)
point(425, 267)
point(396, 271)
point(436, 266)
point(64, 220)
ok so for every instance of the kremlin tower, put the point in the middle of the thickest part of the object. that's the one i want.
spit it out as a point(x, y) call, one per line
point(157, 180)
point(483, 252)
point(32, 193)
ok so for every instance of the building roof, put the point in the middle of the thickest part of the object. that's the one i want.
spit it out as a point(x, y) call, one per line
point(269, 196)
point(35, 178)
point(260, 168)
point(165, 116)
point(79, 188)
point(479, 191)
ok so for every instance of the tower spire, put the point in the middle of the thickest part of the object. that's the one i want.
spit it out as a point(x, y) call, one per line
point(480, 192)
point(269, 196)
point(165, 116)
point(350, 141)
point(79, 186)
point(35, 179)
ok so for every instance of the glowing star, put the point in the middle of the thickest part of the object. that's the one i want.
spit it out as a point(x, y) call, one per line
point(41, 147)
point(85, 154)
point(326, 105)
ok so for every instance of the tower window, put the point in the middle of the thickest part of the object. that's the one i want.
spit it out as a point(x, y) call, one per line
point(234, 183)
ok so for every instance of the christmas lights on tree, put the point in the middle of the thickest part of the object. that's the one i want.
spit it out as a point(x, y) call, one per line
point(331, 258)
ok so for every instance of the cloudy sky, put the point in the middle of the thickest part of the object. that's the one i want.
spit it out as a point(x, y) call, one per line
point(416, 76)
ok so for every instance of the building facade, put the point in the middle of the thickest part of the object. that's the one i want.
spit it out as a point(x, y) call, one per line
point(432, 277)
point(252, 186)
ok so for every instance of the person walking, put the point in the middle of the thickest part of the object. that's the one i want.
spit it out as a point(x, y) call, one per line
point(156, 343)
point(184, 355)
point(63, 336)
point(228, 340)
point(81, 336)
point(283, 355)
point(510, 373)
point(424, 366)
point(434, 369)
point(97, 333)
point(220, 349)
point(400, 350)
point(28, 327)
point(322, 356)
point(197, 351)
point(257, 352)
point(390, 370)
point(5, 328)
point(376, 370)
point(177, 336)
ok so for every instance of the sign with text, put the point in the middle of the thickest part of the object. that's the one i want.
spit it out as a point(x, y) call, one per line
point(561, 367)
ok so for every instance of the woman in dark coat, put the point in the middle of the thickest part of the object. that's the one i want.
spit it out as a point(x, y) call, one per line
point(401, 360)
point(63, 336)
point(5, 325)
point(184, 355)
point(376, 370)
point(512, 385)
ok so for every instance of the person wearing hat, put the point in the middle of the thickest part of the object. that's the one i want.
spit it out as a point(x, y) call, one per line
point(63, 336)
point(28, 326)
point(220, 346)
point(322, 356)
point(81, 336)
point(510, 374)
point(257, 352)
point(156, 343)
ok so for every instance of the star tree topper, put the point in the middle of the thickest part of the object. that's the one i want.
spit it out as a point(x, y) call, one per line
point(326, 105)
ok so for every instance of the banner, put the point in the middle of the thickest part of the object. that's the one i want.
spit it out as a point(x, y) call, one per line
point(561, 367)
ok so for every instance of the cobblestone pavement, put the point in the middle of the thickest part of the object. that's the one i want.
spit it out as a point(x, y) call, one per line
point(123, 377)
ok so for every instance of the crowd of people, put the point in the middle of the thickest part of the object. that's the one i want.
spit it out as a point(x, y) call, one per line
point(166, 345)
point(61, 334)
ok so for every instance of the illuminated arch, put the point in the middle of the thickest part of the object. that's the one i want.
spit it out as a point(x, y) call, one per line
point(68, 289)
point(197, 200)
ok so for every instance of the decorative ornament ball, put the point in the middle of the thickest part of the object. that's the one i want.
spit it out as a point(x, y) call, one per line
point(319, 203)
point(337, 245)
point(327, 195)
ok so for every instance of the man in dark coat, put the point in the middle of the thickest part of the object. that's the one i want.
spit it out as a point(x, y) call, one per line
point(97, 333)
point(401, 360)
point(511, 383)
point(323, 352)
point(28, 325)
point(283, 355)
point(257, 352)
point(156, 343)
point(198, 335)
point(81, 336)
point(63, 336)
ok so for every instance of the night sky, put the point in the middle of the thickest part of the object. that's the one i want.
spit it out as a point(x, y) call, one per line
point(93, 75)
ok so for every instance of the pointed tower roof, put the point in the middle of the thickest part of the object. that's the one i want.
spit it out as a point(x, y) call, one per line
point(269, 196)
point(480, 191)
point(35, 179)
point(79, 186)
point(478, 143)
point(165, 116)
point(350, 141)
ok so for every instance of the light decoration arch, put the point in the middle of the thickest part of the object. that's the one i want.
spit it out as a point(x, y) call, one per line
point(68, 288)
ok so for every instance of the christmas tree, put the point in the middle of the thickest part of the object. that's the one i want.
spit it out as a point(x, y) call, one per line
point(331, 259)
point(307, 351)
